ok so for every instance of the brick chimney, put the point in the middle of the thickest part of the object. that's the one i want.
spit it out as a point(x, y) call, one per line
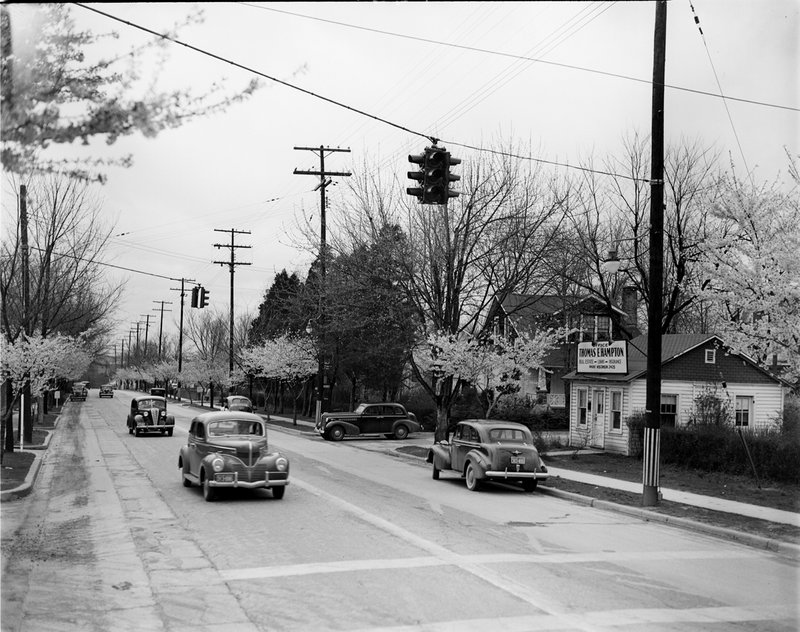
point(630, 305)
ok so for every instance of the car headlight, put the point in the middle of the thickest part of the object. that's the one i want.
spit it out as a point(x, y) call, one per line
point(281, 464)
point(217, 464)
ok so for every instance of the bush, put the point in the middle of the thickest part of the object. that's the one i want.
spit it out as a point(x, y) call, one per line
point(418, 401)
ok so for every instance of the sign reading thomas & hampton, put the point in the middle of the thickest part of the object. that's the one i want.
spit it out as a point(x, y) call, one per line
point(603, 357)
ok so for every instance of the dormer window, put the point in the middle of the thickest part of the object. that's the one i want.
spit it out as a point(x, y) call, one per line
point(711, 356)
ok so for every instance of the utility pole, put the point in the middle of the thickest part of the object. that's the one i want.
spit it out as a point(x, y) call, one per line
point(232, 264)
point(25, 421)
point(182, 290)
point(146, 331)
point(161, 322)
point(652, 431)
point(324, 180)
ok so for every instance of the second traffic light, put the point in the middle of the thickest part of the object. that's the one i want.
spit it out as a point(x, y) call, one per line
point(203, 296)
point(195, 295)
point(434, 176)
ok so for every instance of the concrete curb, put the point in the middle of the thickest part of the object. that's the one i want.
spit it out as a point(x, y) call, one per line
point(30, 479)
point(38, 452)
point(757, 541)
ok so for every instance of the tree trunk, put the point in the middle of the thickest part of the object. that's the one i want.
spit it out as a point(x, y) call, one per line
point(26, 412)
point(8, 416)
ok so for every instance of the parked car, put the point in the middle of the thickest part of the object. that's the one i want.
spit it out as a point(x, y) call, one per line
point(238, 402)
point(79, 392)
point(230, 449)
point(391, 420)
point(148, 413)
point(488, 450)
point(106, 390)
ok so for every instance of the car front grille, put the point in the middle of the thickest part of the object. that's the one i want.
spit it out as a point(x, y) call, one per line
point(259, 472)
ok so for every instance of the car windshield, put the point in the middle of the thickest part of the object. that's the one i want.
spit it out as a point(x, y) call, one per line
point(152, 403)
point(361, 408)
point(507, 435)
point(230, 427)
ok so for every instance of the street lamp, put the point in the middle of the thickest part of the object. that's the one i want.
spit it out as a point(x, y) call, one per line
point(322, 382)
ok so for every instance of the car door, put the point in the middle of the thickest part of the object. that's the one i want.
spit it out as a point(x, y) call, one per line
point(194, 448)
point(390, 415)
point(371, 420)
point(461, 445)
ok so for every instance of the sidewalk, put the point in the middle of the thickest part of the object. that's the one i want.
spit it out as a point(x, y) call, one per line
point(671, 495)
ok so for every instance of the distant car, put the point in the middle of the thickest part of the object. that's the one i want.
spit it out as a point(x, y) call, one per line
point(106, 390)
point(230, 449)
point(488, 450)
point(238, 402)
point(79, 392)
point(148, 413)
point(388, 419)
point(158, 392)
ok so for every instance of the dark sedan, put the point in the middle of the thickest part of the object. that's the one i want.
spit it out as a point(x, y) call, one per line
point(488, 450)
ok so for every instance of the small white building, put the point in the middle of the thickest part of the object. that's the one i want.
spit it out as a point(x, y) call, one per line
point(695, 368)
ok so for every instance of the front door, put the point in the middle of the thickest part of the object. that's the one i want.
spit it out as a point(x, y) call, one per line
point(598, 432)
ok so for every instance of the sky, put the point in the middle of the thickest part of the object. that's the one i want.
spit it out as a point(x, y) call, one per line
point(436, 69)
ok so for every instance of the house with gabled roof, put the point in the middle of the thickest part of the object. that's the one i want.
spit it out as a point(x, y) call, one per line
point(589, 318)
point(694, 368)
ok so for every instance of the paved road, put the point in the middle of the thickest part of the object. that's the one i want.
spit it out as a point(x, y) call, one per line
point(110, 540)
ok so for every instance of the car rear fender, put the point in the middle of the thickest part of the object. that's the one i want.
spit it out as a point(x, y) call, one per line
point(439, 455)
point(409, 423)
point(479, 460)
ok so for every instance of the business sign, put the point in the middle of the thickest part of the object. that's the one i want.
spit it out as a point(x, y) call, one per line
point(603, 357)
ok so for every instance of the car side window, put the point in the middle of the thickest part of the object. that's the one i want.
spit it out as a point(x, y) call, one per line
point(372, 410)
point(200, 431)
point(473, 436)
point(458, 431)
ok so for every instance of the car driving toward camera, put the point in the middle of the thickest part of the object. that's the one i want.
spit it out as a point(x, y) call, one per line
point(489, 450)
point(106, 390)
point(230, 450)
point(147, 414)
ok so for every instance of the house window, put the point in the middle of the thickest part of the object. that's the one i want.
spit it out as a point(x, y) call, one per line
point(744, 410)
point(603, 328)
point(583, 405)
point(711, 356)
point(669, 410)
point(616, 410)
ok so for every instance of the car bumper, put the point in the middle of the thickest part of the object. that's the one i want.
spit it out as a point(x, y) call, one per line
point(264, 483)
point(512, 474)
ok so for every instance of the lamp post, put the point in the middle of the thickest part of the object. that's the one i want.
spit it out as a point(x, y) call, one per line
point(322, 381)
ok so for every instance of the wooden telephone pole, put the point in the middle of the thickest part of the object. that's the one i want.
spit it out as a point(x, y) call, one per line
point(232, 263)
point(324, 180)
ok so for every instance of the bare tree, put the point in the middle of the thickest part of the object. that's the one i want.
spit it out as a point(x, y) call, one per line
point(69, 291)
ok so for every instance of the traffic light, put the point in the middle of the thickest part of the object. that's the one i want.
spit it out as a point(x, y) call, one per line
point(434, 176)
point(203, 296)
point(419, 176)
point(435, 190)
point(451, 177)
point(195, 292)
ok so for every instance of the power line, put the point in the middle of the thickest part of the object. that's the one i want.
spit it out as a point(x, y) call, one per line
point(525, 58)
point(433, 139)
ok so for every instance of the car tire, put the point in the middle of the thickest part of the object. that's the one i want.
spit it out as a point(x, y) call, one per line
point(471, 477)
point(130, 430)
point(278, 492)
point(336, 433)
point(136, 432)
point(435, 473)
point(170, 431)
point(530, 484)
point(401, 432)
point(186, 481)
point(209, 493)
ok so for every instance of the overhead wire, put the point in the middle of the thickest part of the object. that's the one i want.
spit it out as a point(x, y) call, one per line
point(722, 94)
point(539, 60)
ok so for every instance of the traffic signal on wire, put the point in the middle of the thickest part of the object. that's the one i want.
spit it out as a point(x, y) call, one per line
point(204, 297)
point(195, 293)
point(419, 175)
point(434, 176)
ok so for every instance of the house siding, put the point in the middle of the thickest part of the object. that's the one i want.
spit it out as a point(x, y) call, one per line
point(768, 400)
